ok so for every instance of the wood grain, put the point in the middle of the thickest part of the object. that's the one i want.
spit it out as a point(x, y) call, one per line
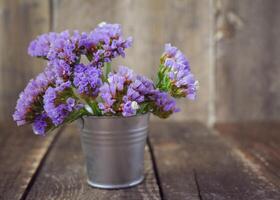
point(21, 153)
point(186, 24)
point(63, 175)
point(20, 22)
point(259, 142)
point(247, 60)
point(195, 163)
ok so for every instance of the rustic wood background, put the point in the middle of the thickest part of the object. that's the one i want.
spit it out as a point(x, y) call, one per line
point(233, 47)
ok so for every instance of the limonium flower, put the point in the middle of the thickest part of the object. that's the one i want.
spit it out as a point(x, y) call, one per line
point(69, 89)
point(124, 92)
point(164, 104)
point(62, 54)
point(87, 80)
point(42, 124)
point(60, 102)
point(29, 104)
point(175, 75)
point(105, 43)
point(41, 45)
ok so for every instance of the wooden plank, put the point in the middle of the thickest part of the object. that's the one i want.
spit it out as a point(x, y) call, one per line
point(21, 153)
point(247, 60)
point(189, 156)
point(259, 142)
point(152, 24)
point(20, 22)
point(63, 175)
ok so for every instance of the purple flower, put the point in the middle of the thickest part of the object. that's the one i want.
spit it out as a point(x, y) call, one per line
point(124, 92)
point(169, 50)
point(63, 47)
point(105, 43)
point(133, 95)
point(116, 81)
point(54, 96)
point(165, 105)
point(59, 102)
point(140, 88)
point(113, 92)
point(30, 100)
point(130, 108)
point(111, 30)
point(61, 68)
point(108, 94)
point(143, 85)
point(41, 45)
point(41, 124)
point(87, 80)
point(127, 74)
point(182, 80)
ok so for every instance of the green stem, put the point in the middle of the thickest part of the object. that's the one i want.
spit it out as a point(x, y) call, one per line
point(107, 69)
point(89, 57)
point(78, 96)
point(95, 108)
point(160, 76)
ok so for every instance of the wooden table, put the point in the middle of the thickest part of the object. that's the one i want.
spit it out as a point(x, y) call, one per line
point(182, 161)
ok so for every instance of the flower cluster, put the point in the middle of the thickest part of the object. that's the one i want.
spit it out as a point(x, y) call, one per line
point(124, 92)
point(175, 75)
point(29, 105)
point(87, 80)
point(105, 43)
point(69, 89)
point(59, 102)
point(63, 50)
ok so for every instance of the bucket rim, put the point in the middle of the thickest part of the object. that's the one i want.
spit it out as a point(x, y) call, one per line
point(115, 117)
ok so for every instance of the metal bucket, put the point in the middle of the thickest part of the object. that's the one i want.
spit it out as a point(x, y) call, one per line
point(114, 150)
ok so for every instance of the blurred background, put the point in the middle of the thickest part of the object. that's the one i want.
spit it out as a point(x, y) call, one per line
point(233, 48)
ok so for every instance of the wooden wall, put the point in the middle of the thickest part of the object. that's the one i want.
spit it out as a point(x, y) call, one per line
point(232, 47)
point(248, 61)
point(20, 22)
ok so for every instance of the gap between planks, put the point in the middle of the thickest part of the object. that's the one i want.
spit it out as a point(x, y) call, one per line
point(41, 163)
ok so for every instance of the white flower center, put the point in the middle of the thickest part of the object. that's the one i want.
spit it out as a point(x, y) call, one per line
point(134, 105)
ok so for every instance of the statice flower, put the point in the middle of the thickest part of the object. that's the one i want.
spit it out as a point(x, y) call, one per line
point(87, 80)
point(41, 124)
point(63, 54)
point(123, 93)
point(105, 43)
point(69, 89)
point(30, 100)
point(164, 104)
point(59, 102)
point(130, 108)
point(108, 95)
point(181, 81)
point(139, 89)
point(143, 85)
point(63, 47)
point(126, 73)
point(41, 45)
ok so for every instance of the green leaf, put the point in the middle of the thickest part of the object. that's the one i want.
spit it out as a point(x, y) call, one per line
point(144, 107)
point(95, 108)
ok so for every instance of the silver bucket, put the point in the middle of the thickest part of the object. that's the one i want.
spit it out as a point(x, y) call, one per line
point(114, 150)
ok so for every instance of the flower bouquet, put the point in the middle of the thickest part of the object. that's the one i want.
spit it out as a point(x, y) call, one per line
point(112, 106)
